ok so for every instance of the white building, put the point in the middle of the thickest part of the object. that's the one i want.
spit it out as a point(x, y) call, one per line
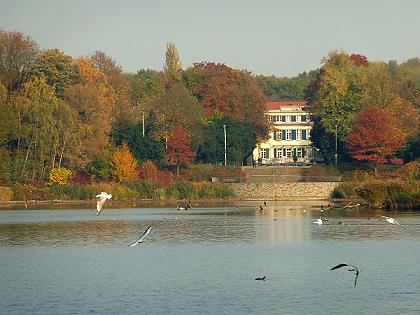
point(290, 133)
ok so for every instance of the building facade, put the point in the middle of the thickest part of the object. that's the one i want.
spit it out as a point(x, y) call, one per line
point(290, 136)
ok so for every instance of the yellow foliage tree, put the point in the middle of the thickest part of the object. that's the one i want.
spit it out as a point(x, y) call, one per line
point(124, 165)
point(60, 176)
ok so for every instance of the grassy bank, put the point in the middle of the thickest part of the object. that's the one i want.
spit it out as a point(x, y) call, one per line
point(388, 193)
point(145, 190)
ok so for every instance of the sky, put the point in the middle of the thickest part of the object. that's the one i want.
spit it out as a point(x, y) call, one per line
point(267, 37)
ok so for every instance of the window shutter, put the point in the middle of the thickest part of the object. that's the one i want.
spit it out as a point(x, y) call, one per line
point(293, 134)
point(303, 134)
point(275, 153)
point(275, 135)
point(303, 118)
point(283, 134)
point(303, 152)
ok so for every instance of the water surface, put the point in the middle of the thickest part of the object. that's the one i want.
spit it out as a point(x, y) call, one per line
point(205, 261)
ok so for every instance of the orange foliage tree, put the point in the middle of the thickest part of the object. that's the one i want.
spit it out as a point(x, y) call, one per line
point(375, 136)
point(150, 170)
point(178, 149)
point(124, 164)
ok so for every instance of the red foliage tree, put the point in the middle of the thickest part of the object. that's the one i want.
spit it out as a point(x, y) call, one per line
point(224, 91)
point(359, 60)
point(178, 150)
point(375, 136)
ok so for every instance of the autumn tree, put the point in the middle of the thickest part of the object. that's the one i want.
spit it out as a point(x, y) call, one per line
point(150, 170)
point(57, 68)
point(176, 106)
point(224, 91)
point(178, 150)
point(93, 99)
point(124, 106)
point(18, 53)
point(375, 136)
point(173, 65)
point(34, 137)
point(124, 165)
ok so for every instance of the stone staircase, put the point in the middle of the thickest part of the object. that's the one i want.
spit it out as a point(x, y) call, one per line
point(283, 174)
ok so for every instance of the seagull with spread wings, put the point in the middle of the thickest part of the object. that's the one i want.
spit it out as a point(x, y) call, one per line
point(140, 240)
point(391, 220)
point(103, 196)
point(350, 268)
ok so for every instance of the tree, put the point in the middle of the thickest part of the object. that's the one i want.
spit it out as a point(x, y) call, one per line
point(124, 165)
point(101, 166)
point(57, 68)
point(93, 99)
point(173, 65)
point(143, 148)
point(178, 151)
point(240, 141)
point(18, 53)
point(115, 77)
point(285, 89)
point(224, 91)
point(176, 106)
point(375, 136)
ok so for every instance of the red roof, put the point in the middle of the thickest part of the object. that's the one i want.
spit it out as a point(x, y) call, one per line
point(277, 105)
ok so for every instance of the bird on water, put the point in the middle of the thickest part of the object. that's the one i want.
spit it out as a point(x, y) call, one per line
point(391, 220)
point(103, 196)
point(350, 268)
point(261, 278)
point(140, 240)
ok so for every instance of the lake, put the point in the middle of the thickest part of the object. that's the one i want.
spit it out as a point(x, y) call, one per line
point(205, 260)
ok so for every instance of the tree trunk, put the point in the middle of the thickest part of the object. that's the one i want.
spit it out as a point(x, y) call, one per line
point(62, 152)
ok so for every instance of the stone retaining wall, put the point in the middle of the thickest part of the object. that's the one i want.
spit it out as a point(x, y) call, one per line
point(284, 191)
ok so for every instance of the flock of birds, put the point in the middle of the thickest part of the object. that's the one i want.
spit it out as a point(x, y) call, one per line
point(103, 197)
point(351, 268)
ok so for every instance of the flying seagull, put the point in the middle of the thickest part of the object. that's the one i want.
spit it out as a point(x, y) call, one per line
point(350, 268)
point(140, 240)
point(261, 278)
point(103, 196)
point(391, 220)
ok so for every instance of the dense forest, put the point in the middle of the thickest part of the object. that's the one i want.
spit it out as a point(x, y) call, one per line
point(87, 119)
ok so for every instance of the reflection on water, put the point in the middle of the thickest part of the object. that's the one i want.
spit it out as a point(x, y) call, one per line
point(201, 225)
point(205, 261)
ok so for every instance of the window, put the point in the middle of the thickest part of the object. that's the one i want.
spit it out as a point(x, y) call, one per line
point(277, 135)
point(298, 134)
point(287, 118)
point(264, 153)
point(289, 153)
point(288, 134)
point(299, 152)
point(278, 153)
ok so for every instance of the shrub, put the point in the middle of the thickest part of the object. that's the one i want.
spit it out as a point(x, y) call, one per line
point(344, 190)
point(373, 192)
point(5, 194)
point(60, 175)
